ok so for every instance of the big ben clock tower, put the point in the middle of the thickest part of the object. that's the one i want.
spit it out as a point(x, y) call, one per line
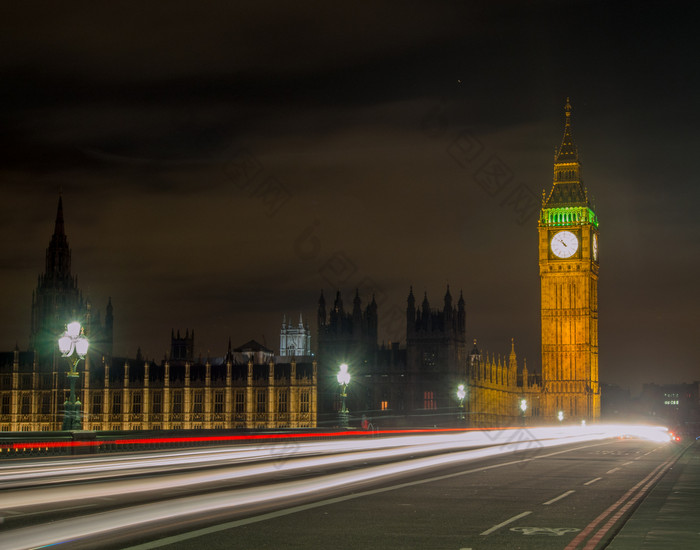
point(568, 253)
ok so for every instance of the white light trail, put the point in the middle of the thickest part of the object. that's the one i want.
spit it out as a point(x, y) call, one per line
point(84, 526)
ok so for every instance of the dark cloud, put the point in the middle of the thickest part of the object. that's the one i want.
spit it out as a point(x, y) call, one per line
point(221, 163)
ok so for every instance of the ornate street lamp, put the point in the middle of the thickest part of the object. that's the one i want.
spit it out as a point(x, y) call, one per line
point(461, 394)
point(560, 415)
point(73, 341)
point(523, 408)
point(343, 380)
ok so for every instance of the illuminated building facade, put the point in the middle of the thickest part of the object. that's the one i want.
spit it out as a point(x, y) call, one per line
point(249, 387)
point(295, 340)
point(568, 260)
point(496, 387)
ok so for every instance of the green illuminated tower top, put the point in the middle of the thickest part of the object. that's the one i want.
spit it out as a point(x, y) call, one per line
point(567, 202)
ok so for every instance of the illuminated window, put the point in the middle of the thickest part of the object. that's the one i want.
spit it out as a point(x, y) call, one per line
point(262, 401)
point(177, 402)
point(136, 403)
point(219, 402)
point(282, 401)
point(197, 405)
point(96, 403)
point(26, 405)
point(304, 401)
point(116, 403)
point(385, 405)
point(240, 402)
point(157, 403)
point(429, 400)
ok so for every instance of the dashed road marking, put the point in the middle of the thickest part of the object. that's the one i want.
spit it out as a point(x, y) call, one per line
point(563, 495)
point(593, 481)
point(549, 531)
point(612, 471)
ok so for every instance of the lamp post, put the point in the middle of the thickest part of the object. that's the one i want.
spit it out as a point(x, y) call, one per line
point(560, 416)
point(461, 394)
point(73, 341)
point(523, 408)
point(343, 380)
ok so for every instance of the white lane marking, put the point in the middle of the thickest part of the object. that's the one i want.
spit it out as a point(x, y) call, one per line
point(612, 471)
point(593, 481)
point(504, 523)
point(563, 495)
point(626, 463)
point(549, 531)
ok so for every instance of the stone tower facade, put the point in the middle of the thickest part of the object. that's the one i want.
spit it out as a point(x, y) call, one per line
point(568, 260)
point(345, 337)
point(57, 301)
point(435, 352)
point(295, 340)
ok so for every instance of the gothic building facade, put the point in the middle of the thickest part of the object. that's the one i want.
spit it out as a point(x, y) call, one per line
point(295, 340)
point(249, 387)
point(417, 385)
point(496, 388)
point(57, 301)
point(568, 260)
point(348, 337)
point(435, 353)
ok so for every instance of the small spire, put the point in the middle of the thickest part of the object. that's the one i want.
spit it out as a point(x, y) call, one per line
point(60, 226)
point(567, 150)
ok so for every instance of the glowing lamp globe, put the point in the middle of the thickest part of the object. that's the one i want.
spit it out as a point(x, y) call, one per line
point(343, 375)
point(65, 345)
point(73, 329)
point(81, 346)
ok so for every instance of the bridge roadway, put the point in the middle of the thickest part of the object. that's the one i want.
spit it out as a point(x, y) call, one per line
point(517, 489)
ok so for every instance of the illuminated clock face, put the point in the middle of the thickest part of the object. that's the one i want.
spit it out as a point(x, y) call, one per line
point(595, 247)
point(564, 244)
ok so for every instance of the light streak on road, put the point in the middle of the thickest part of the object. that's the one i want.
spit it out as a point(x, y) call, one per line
point(343, 454)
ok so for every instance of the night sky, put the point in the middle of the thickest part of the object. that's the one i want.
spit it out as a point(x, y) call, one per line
point(221, 163)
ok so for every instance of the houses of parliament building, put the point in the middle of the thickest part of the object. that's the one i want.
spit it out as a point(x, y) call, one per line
point(252, 387)
point(248, 387)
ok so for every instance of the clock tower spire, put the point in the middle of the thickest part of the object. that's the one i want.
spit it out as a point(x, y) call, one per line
point(568, 259)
